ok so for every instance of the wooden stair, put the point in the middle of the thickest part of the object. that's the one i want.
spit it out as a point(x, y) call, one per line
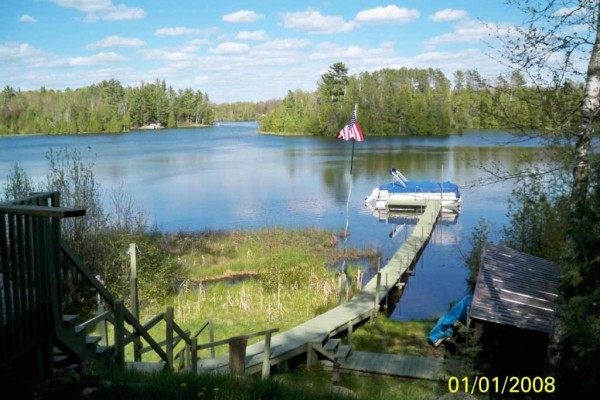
point(74, 346)
point(332, 351)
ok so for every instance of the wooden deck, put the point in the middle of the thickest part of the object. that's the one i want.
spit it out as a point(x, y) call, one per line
point(343, 317)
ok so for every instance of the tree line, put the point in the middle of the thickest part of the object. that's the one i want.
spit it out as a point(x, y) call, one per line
point(409, 101)
point(103, 107)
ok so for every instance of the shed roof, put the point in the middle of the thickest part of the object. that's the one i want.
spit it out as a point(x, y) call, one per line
point(515, 288)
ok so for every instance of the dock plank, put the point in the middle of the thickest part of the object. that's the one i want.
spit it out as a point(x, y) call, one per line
point(394, 365)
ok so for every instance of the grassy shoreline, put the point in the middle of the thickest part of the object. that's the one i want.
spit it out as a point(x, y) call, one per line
point(291, 277)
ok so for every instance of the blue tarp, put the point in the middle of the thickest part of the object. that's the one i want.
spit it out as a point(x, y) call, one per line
point(444, 328)
point(422, 187)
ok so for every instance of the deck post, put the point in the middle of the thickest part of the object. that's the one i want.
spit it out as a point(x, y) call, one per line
point(169, 316)
point(237, 354)
point(377, 291)
point(211, 337)
point(119, 332)
point(311, 355)
point(350, 329)
point(266, 367)
point(194, 355)
point(103, 326)
point(343, 281)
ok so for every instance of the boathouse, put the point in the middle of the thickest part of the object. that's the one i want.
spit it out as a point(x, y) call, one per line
point(514, 308)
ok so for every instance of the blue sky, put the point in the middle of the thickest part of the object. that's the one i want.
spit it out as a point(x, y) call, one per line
point(240, 50)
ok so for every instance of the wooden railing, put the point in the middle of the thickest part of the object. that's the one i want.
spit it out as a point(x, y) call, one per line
point(30, 283)
point(35, 264)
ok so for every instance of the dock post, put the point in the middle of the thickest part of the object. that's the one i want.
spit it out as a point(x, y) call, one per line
point(237, 354)
point(376, 299)
point(266, 367)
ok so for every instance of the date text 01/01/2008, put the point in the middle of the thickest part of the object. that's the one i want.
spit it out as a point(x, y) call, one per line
point(498, 385)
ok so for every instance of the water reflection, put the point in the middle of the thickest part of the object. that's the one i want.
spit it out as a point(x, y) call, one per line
point(228, 177)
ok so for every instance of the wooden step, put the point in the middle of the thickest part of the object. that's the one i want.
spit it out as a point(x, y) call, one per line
point(332, 345)
point(101, 349)
point(92, 340)
point(69, 319)
point(60, 360)
point(343, 352)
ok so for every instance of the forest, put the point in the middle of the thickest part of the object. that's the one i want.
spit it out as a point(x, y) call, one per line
point(418, 102)
point(390, 102)
point(103, 107)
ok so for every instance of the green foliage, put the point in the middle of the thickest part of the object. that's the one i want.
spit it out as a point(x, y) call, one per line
point(18, 183)
point(103, 107)
point(333, 83)
point(479, 237)
point(102, 236)
point(423, 102)
point(537, 217)
point(581, 294)
point(466, 350)
point(244, 111)
point(539, 226)
point(71, 174)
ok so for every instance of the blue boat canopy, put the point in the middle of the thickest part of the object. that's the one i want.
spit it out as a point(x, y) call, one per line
point(444, 328)
point(421, 187)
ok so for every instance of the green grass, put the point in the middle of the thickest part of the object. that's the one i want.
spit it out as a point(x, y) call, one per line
point(292, 280)
point(386, 336)
point(300, 384)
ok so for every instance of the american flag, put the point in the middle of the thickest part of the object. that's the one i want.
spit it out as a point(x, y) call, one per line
point(352, 130)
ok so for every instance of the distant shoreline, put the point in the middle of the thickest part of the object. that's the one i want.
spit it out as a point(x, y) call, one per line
point(141, 128)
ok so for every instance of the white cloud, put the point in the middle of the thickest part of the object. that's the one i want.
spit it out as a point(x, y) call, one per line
point(242, 16)
point(121, 12)
point(231, 48)
point(328, 50)
point(469, 31)
point(28, 19)
point(17, 51)
point(284, 44)
point(387, 15)
point(95, 10)
point(315, 23)
point(97, 59)
point(116, 41)
point(198, 42)
point(171, 55)
point(177, 31)
point(251, 35)
point(448, 15)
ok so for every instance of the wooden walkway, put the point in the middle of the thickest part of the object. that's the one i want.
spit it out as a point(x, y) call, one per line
point(343, 317)
point(394, 365)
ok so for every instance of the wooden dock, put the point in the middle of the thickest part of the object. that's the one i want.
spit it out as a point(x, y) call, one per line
point(344, 317)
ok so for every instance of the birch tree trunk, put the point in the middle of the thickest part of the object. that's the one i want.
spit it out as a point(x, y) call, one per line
point(590, 107)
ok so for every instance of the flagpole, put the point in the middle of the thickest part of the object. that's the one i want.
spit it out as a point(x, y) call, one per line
point(343, 267)
point(352, 158)
point(353, 140)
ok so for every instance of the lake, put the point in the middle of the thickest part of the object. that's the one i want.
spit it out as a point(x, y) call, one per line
point(229, 177)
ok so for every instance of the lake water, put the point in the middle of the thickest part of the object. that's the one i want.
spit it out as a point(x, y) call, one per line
point(228, 176)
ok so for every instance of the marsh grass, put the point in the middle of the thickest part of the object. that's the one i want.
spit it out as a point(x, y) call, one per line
point(289, 276)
